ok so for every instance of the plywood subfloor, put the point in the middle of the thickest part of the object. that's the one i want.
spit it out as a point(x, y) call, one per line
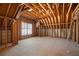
point(42, 46)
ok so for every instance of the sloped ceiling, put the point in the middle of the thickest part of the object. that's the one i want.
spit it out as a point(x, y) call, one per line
point(46, 13)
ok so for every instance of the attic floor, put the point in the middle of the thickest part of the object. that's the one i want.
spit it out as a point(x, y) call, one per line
point(42, 46)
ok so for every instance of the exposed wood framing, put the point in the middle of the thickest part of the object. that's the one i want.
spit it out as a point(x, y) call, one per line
point(34, 12)
point(63, 18)
point(67, 15)
point(54, 20)
point(5, 22)
point(58, 16)
point(19, 12)
point(45, 11)
point(43, 14)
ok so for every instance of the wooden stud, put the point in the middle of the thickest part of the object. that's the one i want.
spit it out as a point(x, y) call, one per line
point(53, 15)
point(63, 19)
point(6, 29)
point(67, 15)
point(47, 13)
point(58, 17)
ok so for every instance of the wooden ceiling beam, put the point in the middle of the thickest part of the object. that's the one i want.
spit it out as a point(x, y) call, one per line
point(8, 10)
point(76, 9)
point(31, 13)
point(50, 19)
point(4, 17)
point(43, 14)
point(67, 15)
point(35, 16)
point(58, 13)
point(32, 16)
point(69, 8)
point(52, 12)
point(19, 12)
point(36, 12)
point(43, 21)
point(38, 9)
point(54, 21)
point(46, 21)
point(44, 10)
point(63, 10)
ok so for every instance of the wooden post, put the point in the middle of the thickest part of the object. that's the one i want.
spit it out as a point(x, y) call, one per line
point(74, 31)
point(5, 31)
point(77, 29)
point(0, 34)
point(15, 32)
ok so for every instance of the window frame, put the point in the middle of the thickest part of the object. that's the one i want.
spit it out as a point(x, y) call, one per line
point(26, 28)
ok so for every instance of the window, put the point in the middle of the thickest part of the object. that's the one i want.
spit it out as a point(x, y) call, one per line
point(29, 28)
point(26, 29)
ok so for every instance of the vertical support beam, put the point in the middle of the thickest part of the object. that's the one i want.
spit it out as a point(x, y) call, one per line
point(6, 29)
point(5, 24)
point(77, 29)
point(15, 32)
point(67, 16)
point(0, 33)
point(47, 27)
point(63, 20)
point(74, 31)
point(57, 5)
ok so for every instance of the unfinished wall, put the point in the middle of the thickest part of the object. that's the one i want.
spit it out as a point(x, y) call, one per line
point(75, 26)
point(5, 34)
point(53, 32)
point(9, 32)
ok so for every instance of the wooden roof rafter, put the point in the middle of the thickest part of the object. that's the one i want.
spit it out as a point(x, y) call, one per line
point(43, 22)
point(49, 17)
point(76, 9)
point(46, 20)
point(43, 14)
point(5, 17)
point(52, 12)
point(67, 15)
point(31, 16)
point(38, 9)
point(58, 16)
point(41, 11)
point(54, 17)
point(34, 11)
point(31, 13)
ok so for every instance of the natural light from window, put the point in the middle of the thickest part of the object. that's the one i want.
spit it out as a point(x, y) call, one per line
point(26, 28)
